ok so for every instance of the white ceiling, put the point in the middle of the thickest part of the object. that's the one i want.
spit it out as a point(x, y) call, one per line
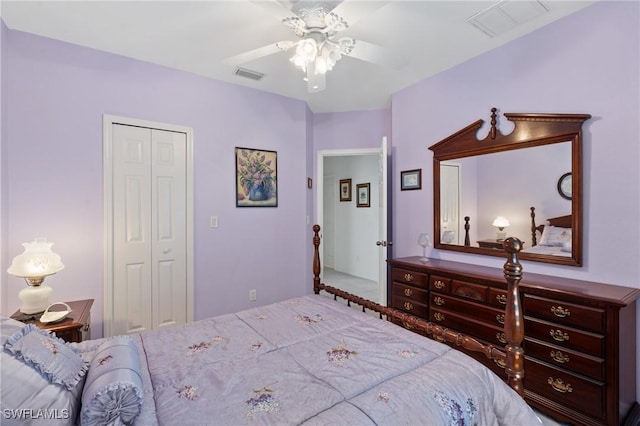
point(197, 36)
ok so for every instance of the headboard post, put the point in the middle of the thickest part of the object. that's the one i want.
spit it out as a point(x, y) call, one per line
point(316, 259)
point(534, 240)
point(514, 321)
point(467, 241)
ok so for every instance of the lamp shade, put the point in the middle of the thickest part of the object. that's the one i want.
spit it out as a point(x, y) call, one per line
point(37, 260)
point(500, 222)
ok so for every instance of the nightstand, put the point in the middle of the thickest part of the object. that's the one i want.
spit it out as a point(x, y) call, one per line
point(494, 244)
point(76, 327)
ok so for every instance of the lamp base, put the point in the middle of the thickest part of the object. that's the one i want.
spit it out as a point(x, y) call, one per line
point(35, 299)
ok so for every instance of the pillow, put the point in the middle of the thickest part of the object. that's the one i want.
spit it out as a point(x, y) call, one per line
point(113, 391)
point(26, 392)
point(554, 236)
point(48, 354)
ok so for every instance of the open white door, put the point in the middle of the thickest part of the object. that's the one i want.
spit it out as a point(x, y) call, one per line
point(383, 240)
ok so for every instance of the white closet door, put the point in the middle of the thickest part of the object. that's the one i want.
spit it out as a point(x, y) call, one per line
point(168, 212)
point(132, 243)
point(149, 229)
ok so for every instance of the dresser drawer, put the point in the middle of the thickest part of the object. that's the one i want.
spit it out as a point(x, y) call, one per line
point(470, 291)
point(415, 279)
point(565, 358)
point(440, 284)
point(401, 290)
point(411, 306)
point(462, 324)
point(566, 337)
point(565, 313)
point(497, 297)
point(564, 388)
point(491, 316)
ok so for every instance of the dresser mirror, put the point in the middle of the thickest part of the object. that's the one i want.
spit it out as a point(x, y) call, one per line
point(523, 179)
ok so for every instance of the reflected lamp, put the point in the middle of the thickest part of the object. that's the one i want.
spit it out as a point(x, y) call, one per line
point(500, 222)
point(34, 264)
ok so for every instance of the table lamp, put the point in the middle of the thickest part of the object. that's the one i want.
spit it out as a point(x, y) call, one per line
point(501, 222)
point(34, 264)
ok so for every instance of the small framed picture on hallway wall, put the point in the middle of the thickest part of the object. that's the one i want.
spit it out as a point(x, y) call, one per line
point(363, 195)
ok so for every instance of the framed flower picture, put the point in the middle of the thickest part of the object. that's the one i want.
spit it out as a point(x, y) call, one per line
point(256, 178)
point(363, 189)
point(345, 189)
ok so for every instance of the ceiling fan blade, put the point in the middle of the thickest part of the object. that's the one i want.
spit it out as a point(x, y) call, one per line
point(254, 54)
point(354, 10)
point(378, 55)
point(275, 8)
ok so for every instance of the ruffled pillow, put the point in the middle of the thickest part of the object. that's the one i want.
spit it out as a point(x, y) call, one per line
point(113, 391)
point(51, 356)
point(555, 236)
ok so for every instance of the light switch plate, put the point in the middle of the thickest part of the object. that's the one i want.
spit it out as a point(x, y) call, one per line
point(214, 221)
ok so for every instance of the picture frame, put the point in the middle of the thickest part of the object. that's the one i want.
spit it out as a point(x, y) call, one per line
point(256, 178)
point(411, 179)
point(363, 192)
point(345, 189)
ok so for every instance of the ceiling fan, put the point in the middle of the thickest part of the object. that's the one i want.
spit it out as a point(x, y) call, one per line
point(319, 47)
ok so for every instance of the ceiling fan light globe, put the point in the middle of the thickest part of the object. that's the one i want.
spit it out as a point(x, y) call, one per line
point(321, 65)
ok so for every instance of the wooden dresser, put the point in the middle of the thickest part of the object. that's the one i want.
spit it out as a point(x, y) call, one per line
point(580, 337)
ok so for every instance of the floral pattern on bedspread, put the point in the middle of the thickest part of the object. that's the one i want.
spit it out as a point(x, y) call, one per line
point(203, 346)
point(188, 392)
point(457, 417)
point(263, 401)
point(340, 354)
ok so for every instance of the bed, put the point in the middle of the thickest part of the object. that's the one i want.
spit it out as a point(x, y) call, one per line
point(555, 238)
point(309, 360)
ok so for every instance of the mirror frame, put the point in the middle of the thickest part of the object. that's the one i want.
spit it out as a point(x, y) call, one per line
point(530, 130)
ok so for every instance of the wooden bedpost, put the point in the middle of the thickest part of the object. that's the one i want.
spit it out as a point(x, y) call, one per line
point(514, 321)
point(316, 259)
point(534, 241)
point(467, 242)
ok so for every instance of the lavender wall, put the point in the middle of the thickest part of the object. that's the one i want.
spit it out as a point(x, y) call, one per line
point(586, 63)
point(57, 94)
point(4, 223)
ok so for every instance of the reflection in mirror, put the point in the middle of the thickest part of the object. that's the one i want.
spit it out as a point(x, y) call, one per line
point(487, 189)
point(526, 178)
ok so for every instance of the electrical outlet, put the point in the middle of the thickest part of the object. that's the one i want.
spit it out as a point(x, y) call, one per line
point(252, 295)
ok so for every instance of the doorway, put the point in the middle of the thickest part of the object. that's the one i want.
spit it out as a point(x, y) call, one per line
point(354, 236)
point(148, 199)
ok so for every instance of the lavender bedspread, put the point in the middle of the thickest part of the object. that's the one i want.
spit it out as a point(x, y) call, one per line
point(314, 361)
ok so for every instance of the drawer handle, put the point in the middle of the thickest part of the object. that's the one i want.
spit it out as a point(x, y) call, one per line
point(559, 385)
point(438, 316)
point(438, 284)
point(408, 277)
point(559, 357)
point(502, 299)
point(500, 318)
point(438, 301)
point(408, 306)
point(408, 292)
point(560, 312)
point(558, 335)
point(500, 363)
point(501, 338)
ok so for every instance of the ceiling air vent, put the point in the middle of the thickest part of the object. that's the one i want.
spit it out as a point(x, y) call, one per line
point(505, 15)
point(253, 75)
